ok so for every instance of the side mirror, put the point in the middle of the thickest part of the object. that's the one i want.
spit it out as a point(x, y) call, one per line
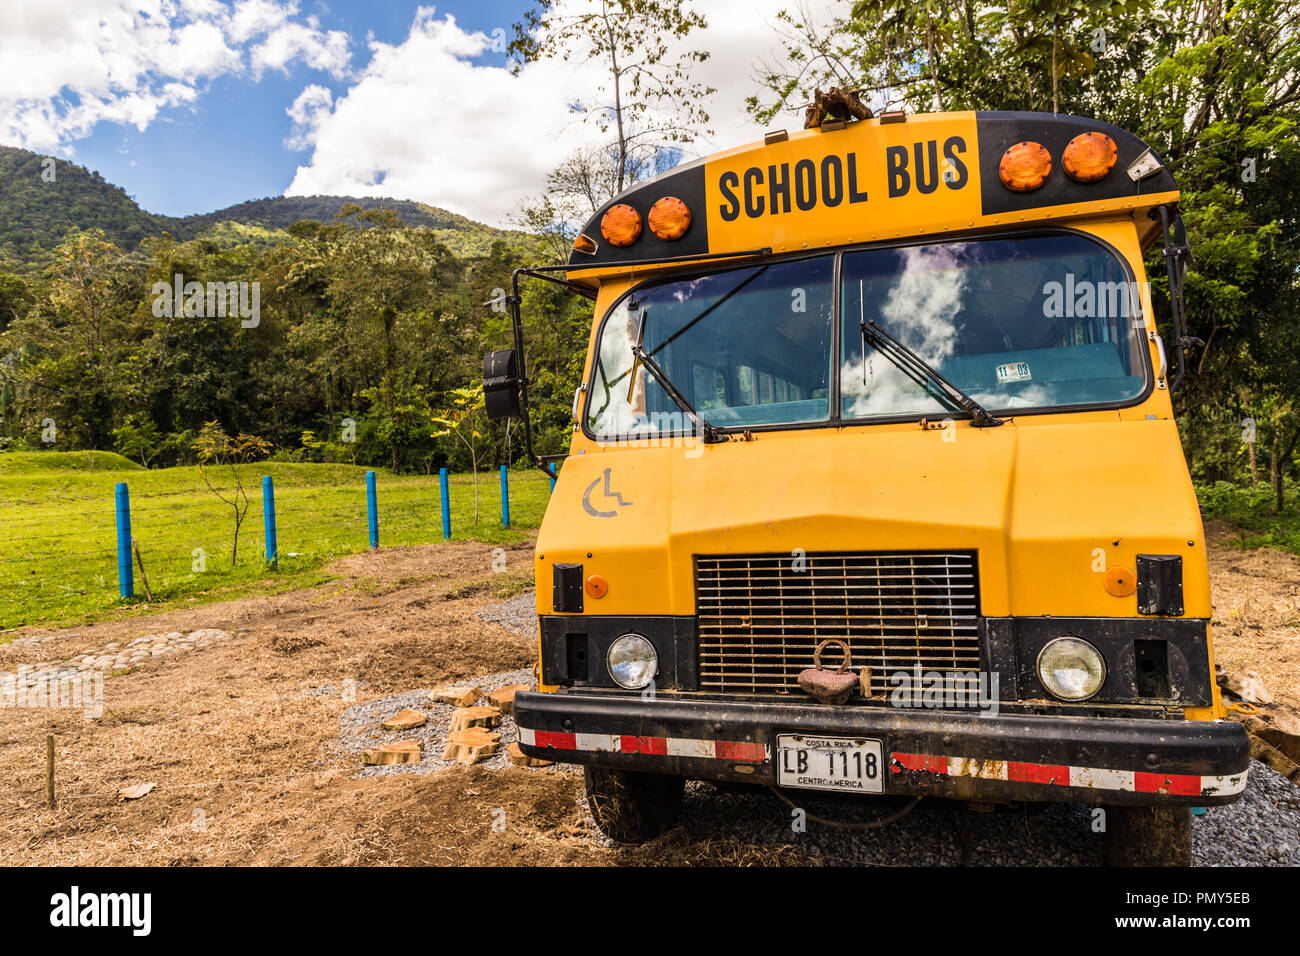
point(1182, 250)
point(501, 384)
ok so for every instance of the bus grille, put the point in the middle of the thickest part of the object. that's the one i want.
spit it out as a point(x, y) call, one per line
point(760, 616)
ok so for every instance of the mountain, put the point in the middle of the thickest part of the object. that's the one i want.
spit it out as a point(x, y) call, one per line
point(35, 215)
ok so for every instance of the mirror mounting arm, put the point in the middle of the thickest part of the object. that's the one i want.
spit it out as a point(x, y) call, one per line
point(514, 301)
point(1177, 254)
point(506, 369)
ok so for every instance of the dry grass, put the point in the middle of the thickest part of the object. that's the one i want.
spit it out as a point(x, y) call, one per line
point(1256, 626)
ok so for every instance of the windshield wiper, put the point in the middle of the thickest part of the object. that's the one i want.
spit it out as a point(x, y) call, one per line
point(916, 369)
point(711, 435)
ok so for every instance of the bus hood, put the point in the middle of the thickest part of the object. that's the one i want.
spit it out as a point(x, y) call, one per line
point(1050, 505)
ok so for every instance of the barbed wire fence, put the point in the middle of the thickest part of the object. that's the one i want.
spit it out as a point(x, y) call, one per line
point(135, 545)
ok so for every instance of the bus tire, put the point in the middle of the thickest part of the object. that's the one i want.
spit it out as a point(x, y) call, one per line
point(1148, 836)
point(632, 807)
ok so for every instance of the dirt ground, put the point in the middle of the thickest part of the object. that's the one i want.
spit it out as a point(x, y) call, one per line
point(240, 737)
point(1256, 625)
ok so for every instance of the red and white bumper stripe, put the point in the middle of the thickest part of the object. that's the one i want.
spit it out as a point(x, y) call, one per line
point(738, 751)
point(1062, 775)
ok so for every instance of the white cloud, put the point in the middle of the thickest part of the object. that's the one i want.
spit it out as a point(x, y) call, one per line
point(423, 122)
point(257, 17)
point(294, 42)
point(122, 61)
point(308, 110)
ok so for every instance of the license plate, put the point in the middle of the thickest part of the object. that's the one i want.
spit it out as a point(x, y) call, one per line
point(830, 763)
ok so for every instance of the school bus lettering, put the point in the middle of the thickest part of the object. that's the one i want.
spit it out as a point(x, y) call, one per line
point(927, 171)
point(770, 193)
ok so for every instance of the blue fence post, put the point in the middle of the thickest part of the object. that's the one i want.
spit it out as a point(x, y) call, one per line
point(446, 504)
point(372, 508)
point(125, 576)
point(505, 497)
point(551, 471)
point(268, 520)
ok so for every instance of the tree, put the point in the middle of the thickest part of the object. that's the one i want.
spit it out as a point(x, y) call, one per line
point(930, 55)
point(15, 298)
point(461, 420)
point(138, 441)
point(398, 419)
point(650, 97)
point(217, 450)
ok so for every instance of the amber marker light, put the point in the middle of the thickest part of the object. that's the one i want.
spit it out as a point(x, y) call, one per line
point(1024, 166)
point(621, 225)
point(597, 586)
point(585, 244)
point(1089, 157)
point(669, 218)
point(1121, 582)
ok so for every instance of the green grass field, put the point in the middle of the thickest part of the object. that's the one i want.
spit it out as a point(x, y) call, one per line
point(58, 537)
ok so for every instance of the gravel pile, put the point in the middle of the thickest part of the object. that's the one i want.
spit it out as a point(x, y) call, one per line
point(519, 614)
point(1260, 829)
point(359, 726)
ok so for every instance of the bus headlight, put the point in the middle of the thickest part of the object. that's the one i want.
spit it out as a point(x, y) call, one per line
point(632, 661)
point(1071, 669)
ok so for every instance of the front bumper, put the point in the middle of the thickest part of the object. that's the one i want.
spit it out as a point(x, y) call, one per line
point(1109, 760)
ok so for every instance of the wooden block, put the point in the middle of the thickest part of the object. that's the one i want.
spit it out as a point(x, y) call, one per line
point(504, 697)
point(407, 719)
point(521, 759)
point(458, 695)
point(471, 746)
point(467, 717)
point(404, 751)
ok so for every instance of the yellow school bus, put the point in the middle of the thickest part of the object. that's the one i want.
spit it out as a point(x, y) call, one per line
point(875, 486)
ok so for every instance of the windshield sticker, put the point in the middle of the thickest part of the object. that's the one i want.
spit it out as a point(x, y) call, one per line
point(1013, 372)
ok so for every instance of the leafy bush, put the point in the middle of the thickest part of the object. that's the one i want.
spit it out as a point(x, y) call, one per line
point(1253, 512)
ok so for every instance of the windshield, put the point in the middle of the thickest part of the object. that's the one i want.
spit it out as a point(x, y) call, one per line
point(1031, 322)
point(745, 347)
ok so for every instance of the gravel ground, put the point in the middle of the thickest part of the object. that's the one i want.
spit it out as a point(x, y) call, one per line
point(1261, 829)
point(359, 726)
point(519, 614)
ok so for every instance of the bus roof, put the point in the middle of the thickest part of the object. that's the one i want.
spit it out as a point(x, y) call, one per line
point(878, 180)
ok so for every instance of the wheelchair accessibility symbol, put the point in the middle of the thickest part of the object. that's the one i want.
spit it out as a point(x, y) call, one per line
point(592, 509)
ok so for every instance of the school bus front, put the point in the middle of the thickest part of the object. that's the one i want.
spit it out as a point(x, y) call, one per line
point(875, 486)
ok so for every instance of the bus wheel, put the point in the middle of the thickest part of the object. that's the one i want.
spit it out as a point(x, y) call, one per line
point(631, 807)
point(1148, 836)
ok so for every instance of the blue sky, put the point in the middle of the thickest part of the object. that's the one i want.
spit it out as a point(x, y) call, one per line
point(230, 147)
point(194, 105)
